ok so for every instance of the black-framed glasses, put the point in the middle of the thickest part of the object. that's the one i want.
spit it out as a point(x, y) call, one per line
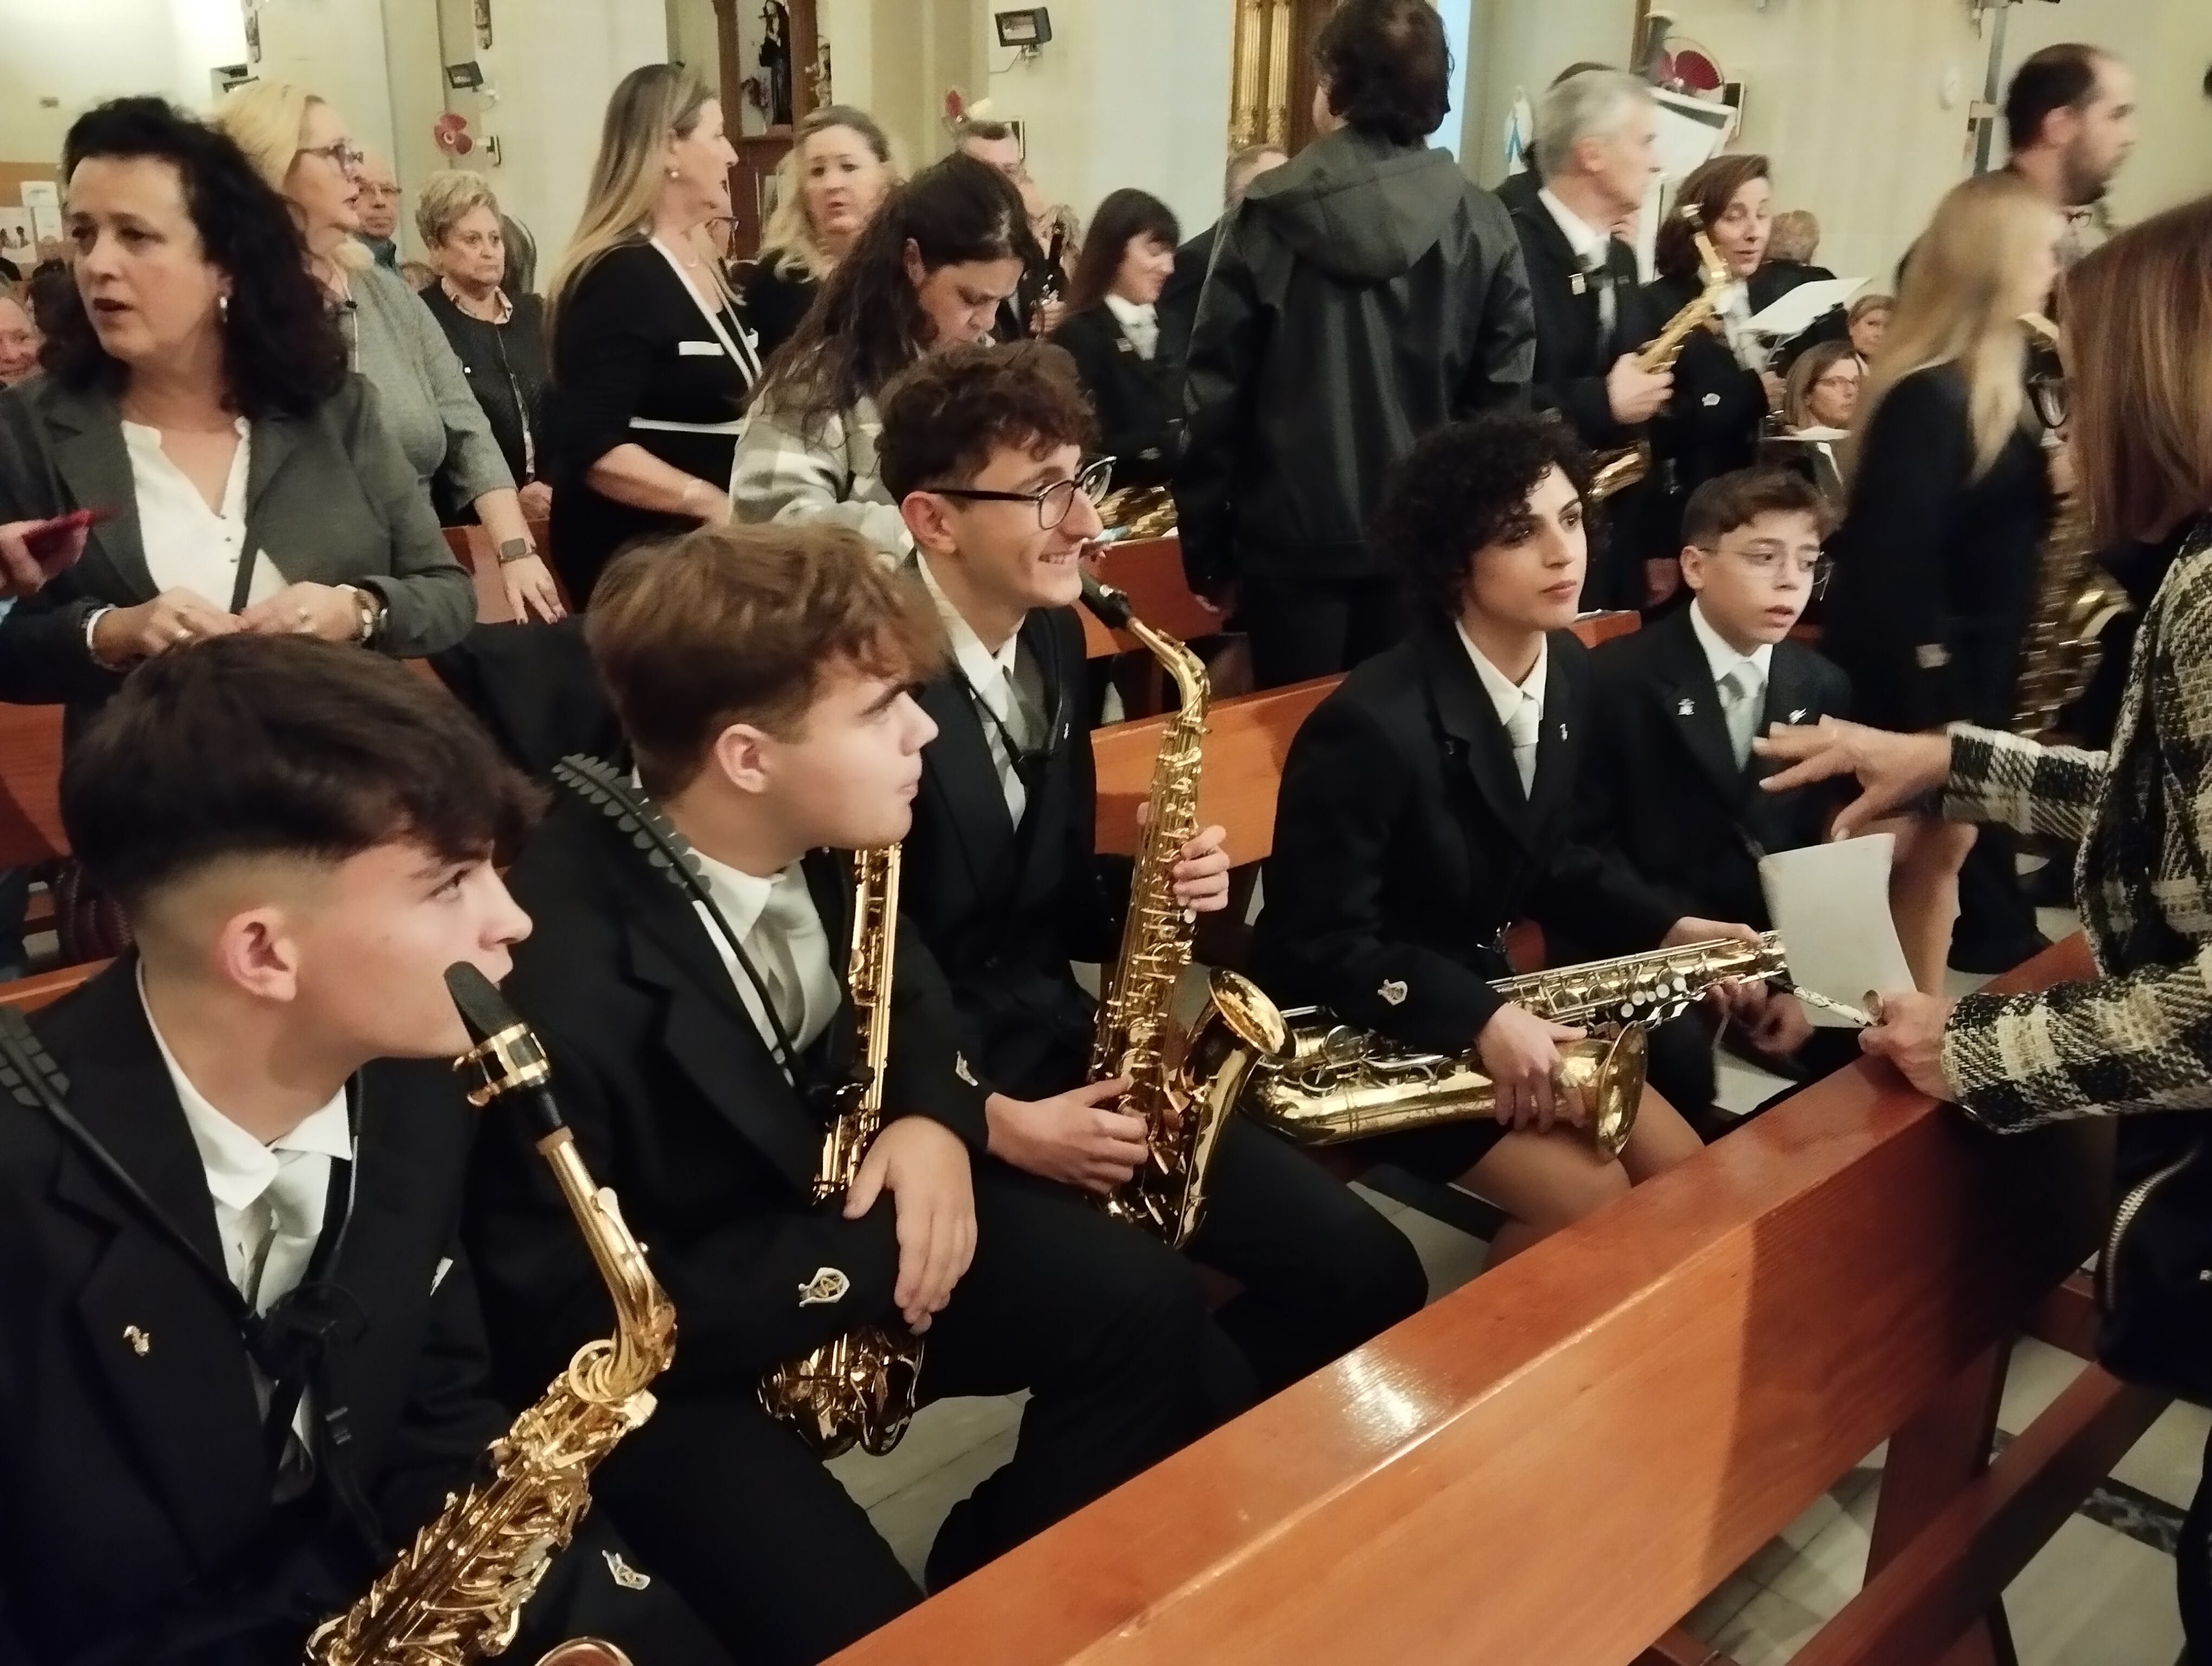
point(1054, 501)
point(343, 153)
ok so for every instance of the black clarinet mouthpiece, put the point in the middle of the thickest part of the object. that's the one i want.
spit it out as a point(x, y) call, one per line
point(508, 1059)
point(1108, 603)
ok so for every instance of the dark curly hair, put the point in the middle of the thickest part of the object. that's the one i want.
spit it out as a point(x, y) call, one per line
point(945, 418)
point(1124, 216)
point(1386, 68)
point(1457, 490)
point(282, 353)
point(868, 324)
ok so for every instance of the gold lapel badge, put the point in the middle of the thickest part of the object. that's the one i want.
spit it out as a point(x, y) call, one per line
point(960, 1069)
point(624, 1574)
point(827, 1285)
point(140, 1342)
point(1394, 991)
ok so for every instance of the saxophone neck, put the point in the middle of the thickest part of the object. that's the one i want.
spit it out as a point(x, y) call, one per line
point(644, 1317)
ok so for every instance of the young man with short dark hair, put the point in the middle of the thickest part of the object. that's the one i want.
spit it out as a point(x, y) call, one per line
point(689, 973)
point(242, 1363)
point(1672, 786)
point(984, 449)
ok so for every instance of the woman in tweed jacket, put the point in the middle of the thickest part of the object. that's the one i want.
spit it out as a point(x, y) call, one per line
point(928, 272)
point(2137, 1038)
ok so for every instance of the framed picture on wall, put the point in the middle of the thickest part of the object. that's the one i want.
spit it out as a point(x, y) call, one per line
point(43, 199)
point(17, 246)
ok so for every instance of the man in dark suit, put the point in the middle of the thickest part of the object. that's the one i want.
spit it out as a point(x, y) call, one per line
point(1596, 131)
point(1673, 789)
point(240, 1359)
point(1427, 804)
point(1178, 301)
point(1005, 884)
point(690, 972)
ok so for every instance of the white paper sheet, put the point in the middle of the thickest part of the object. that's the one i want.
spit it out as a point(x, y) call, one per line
point(1831, 903)
point(1802, 306)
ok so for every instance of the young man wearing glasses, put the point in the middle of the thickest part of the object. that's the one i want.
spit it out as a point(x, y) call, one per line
point(983, 448)
point(1674, 788)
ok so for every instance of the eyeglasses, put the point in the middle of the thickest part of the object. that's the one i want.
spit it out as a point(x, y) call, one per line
point(343, 154)
point(1765, 560)
point(1054, 501)
point(2052, 400)
point(1832, 382)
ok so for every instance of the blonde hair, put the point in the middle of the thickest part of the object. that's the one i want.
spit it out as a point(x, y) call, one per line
point(1796, 236)
point(446, 198)
point(789, 243)
point(1961, 304)
point(267, 119)
point(2139, 351)
point(652, 104)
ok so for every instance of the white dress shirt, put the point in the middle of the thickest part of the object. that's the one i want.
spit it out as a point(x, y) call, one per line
point(1006, 683)
point(1591, 247)
point(1520, 705)
point(776, 919)
point(1141, 323)
point(269, 1200)
point(1740, 679)
point(188, 545)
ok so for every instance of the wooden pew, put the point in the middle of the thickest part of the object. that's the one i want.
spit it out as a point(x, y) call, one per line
point(32, 993)
point(1552, 1464)
point(472, 547)
point(1151, 574)
point(30, 786)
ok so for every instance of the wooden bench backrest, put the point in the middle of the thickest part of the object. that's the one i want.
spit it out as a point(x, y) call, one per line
point(1151, 574)
point(30, 786)
point(1558, 1460)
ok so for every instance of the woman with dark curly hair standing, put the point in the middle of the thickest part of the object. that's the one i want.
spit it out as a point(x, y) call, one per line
point(196, 393)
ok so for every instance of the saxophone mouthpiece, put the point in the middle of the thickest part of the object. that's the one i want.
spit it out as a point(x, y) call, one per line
point(506, 1057)
point(1108, 603)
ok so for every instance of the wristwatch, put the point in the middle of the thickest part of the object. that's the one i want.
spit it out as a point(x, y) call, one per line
point(369, 609)
point(516, 549)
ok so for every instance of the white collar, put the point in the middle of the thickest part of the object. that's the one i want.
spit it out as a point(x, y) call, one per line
point(1132, 314)
point(1723, 658)
point(1506, 695)
point(1591, 245)
point(743, 898)
point(239, 1168)
point(983, 669)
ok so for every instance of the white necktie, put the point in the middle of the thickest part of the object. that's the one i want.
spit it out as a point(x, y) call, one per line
point(1521, 729)
point(282, 1226)
point(791, 950)
point(1608, 306)
point(1743, 696)
point(1013, 729)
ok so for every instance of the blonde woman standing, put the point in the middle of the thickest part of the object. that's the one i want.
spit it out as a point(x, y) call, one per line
point(651, 362)
point(1936, 563)
point(827, 191)
point(299, 144)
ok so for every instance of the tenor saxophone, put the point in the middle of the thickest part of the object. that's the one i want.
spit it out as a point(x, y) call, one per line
point(860, 1390)
point(456, 1595)
point(1342, 1083)
point(2075, 599)
point(1620, 468)
point(1184, 1084)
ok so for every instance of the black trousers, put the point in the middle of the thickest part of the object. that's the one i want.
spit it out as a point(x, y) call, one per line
point(1303, 628)
point(1105, 1327)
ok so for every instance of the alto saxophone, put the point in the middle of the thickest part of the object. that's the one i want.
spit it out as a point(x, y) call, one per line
point(456, 1595)
point(862, 1389)
point(1184, 1084)
point(2075, 599)
point(1343, 1082)
point(1620, 468)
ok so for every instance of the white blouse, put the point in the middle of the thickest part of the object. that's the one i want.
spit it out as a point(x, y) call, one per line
point(188, 545)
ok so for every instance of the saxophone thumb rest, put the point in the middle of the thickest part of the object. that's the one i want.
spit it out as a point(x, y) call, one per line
point(507, 1057)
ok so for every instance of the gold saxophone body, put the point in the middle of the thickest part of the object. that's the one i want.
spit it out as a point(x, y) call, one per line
point(456, 1595)
point(1344, 1083)
point(1622, 467)
point(861, 1389)
point(2075, 599)
point(1184, 1084)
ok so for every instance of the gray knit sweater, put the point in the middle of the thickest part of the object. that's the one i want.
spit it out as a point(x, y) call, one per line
point(421, 387)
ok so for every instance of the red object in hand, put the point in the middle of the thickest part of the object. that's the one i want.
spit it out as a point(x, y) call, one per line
point(49, 542)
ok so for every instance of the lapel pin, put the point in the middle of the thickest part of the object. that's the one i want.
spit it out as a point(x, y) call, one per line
point(140, 1342)
point(1710, 400)
point(1577, 284)
point(1932, 656)
point(960, 1069)
point(1394, 991)
point(624, 1574)
point(1797, 716)
point(827, 1285)
point(1687, 708)
point(1563, 731)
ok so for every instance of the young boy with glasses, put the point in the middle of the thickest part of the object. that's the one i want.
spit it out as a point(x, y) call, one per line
point(983, 447)
point(1673, 789)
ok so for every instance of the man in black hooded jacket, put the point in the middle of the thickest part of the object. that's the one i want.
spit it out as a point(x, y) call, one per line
point(1361, 295)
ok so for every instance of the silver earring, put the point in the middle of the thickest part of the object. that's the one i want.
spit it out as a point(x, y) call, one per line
point(223, 309)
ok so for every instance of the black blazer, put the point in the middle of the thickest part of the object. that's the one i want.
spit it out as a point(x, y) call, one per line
point(1003, 910)
point(329, 497)
point(1934, 569)
point(1138, 400)
point(137, 1487)
point(774, 300)
point(677, 1103)
point(1404, 846)
point(1572, 360)
point(1661, 790)
point(1179, 298)
point(507, 370)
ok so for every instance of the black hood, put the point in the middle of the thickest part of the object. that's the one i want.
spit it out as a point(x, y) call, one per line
point(1360, 207)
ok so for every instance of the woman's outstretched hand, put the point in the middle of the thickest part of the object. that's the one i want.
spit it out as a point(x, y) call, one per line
point(1891, 769)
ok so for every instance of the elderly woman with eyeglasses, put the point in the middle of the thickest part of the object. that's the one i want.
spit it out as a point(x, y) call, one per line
point(299, 144)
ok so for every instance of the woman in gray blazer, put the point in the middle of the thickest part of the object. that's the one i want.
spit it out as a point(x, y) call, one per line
point(196, 395)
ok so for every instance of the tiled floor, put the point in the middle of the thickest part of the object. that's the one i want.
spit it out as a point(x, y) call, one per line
point(2095, 1597)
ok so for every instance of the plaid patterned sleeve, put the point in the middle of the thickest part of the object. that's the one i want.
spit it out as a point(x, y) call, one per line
point(2045, 792)
point(780, 474)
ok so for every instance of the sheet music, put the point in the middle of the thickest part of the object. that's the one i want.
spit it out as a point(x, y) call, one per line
point(1831, 903)
point(1797, 311)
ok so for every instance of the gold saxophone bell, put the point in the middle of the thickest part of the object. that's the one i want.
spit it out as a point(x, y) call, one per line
point(584, 1652)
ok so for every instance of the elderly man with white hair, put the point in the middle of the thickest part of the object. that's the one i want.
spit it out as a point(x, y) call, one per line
point(1597, 132)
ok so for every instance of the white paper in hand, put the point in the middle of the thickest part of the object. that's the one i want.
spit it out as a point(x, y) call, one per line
point(1831, 903)
point(1799, 309)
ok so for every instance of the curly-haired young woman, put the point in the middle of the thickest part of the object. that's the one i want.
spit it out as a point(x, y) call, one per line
point(197, 392)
